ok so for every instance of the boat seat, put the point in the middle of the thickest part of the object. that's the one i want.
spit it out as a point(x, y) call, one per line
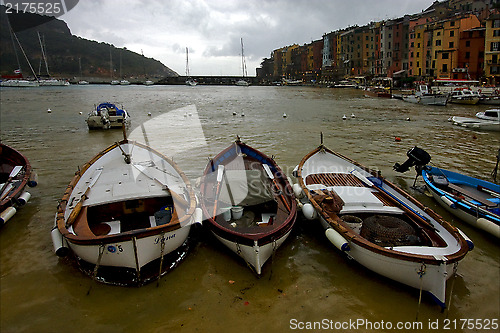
point(471, 195)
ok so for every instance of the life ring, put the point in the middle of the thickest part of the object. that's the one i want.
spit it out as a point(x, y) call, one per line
point(496, 91)
point(386, 230)
point(479, 90)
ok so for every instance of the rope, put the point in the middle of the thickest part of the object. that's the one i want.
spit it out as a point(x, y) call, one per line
point(94, 273)
point(421, 273)
point(451, 288)
point(162, 247)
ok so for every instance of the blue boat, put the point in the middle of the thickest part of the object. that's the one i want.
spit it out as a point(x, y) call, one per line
point(473, 200)
point(107, 115)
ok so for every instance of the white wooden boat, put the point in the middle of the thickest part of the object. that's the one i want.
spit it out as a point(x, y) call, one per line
point(492, 114)
point(377, 224)
point(248, 203)
point(472, 200)
point(475, 123)
point(15, 175)
point(423, 96)
point(125, 214)
point(107, 115)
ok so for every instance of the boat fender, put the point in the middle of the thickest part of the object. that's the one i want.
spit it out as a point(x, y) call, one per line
point(198, 215)
point(23, 198)
point(297, 190)
point(7, 214)
point(33, 181)
point(294, 172)
point(448, 202)
point(58, 242)
point(309, 211)
point(336, 239)
point(488, 226)
point(469, 242)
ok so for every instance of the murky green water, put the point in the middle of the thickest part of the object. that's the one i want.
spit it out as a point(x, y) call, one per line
point(308, 280)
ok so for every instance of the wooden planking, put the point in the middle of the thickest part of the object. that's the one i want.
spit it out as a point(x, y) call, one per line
point(334, 179)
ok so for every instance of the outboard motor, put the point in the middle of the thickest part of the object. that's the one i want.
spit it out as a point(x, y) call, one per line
point(416, 157)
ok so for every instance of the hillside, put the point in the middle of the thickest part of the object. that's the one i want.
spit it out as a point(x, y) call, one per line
point(64, 50)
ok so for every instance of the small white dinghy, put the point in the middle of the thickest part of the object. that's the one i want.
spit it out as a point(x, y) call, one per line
point(126, 215)
point(377, 224)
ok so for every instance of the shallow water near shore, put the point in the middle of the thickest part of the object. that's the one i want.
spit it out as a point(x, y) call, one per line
point(307, 282)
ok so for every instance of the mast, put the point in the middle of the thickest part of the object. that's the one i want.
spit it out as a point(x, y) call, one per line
point(187, 63)
point(44, 55)
point(243, 63)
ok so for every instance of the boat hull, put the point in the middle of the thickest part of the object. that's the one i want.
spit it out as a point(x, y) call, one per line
point(426, 100)
point(256, 255)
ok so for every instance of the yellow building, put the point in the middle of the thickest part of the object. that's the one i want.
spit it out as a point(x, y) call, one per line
point(492, 50)
point(445, 44)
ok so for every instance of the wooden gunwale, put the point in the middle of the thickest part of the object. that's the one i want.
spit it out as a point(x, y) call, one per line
point(16, 158)
point(128, 235)
point(351, 236)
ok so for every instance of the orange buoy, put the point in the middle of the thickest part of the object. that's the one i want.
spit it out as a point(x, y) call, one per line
point(397, 139)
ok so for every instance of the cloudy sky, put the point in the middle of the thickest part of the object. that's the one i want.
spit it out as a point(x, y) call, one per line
point(212, 29)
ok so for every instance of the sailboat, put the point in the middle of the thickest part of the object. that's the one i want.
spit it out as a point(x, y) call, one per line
point(113, 81)
point(242, 82)
point(81, 81)
point(189, 81)
point(48, 81)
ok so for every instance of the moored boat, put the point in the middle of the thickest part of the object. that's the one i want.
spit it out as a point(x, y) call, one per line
point(107, 115)
point(377, 224)
point(125, 213)
point(15, 174)
point(472, 200)
point(378, 92)
point(464, 96)
point(248, 203)
point(423, 96)
point(476, 123)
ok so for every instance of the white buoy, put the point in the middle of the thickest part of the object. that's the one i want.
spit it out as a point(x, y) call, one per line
point(80, 113)
point(198, 215)
point(49, 110)
point(297, 190)
point(58, 242)
point(149, 114)
point(448, 202)
point(309, 211)
point(24, 198)
point(284, 115)
point(234, 113)
point(488, 226)
point(242, 114)
point(7, 214)
point(352, 115)
point(336, 239)
point(344, 117)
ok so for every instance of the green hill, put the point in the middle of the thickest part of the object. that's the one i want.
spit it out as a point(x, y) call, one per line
point(65, 51)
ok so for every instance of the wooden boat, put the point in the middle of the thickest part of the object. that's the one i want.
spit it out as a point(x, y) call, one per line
point(472, 200)
point(107, 115)
point(248, 203)
point(15, 175)
point(423, 96)
point(377, 224)
point(125, 214)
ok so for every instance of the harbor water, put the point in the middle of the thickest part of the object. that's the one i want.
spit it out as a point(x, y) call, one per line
point(308, 283)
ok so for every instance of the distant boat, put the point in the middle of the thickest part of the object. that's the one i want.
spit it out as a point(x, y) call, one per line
point(148, 83)
point(488, 120)
point(378, 92)
point(49, 81)
point(124, 82)
point(423, 96)
point(107, 115)
point(288, 82)
point(464, 96)
point(19, 83)
point(242, 82)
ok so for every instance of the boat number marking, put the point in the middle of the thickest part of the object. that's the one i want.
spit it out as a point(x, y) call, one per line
point(113, 248)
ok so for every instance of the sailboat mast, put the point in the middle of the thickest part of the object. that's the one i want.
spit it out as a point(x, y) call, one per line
point(187, 62)
point(44, 56)
point(243, 64)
